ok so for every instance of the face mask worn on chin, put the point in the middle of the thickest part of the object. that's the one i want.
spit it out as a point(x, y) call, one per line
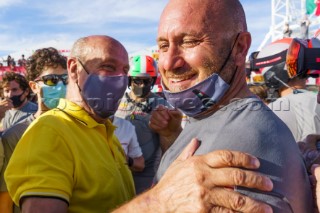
point(200, 97)
point(103, 93)
point(141, 92)
point(16, 100)
point(52, 94)
point(203, 95)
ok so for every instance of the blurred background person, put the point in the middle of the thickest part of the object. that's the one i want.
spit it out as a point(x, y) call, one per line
point(15, 106)
point(136, 106)
point(297, 107)
point(127, 136)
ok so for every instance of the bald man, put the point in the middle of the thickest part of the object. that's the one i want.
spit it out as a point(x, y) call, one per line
point(202, 50)
point(69, 160)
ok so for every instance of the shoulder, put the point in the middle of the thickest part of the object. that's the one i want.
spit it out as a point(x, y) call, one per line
point(29, 107)
point(120, 122)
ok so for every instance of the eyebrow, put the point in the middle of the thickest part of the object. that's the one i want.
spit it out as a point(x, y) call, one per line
point(181, 35)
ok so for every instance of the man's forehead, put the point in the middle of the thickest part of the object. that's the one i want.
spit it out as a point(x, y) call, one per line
point(11, 85)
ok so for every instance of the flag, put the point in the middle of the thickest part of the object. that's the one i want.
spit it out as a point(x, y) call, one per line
point(312, 6)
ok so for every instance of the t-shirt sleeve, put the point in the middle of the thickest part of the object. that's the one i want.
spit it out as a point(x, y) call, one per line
point(41, 165)
point(285, 112)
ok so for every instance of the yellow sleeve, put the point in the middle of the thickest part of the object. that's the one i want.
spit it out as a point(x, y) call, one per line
point(41, 165)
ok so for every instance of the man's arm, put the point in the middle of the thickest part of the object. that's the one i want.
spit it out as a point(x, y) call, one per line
point(203, 184)
point(309, 151)
point(137, 164)
point(43, 205)
point(5, 104)
point(6, 203)
point(167, 123)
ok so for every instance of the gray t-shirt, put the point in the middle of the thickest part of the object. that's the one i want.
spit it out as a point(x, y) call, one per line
point(300, 112)
point(14, 116)
point(248, 125)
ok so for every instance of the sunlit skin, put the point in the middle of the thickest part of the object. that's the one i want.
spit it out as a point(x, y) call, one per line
point(191, 49)
point(105, 57)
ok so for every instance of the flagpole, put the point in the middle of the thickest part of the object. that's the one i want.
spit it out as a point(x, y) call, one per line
point(303, 8)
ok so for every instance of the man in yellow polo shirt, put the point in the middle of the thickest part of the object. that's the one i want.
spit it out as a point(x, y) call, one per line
point(69, 160)
point(70, 153)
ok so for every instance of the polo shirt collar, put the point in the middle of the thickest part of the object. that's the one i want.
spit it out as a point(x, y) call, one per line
point(80, 114)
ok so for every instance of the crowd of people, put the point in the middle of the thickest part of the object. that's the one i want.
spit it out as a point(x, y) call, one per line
point(87, 134)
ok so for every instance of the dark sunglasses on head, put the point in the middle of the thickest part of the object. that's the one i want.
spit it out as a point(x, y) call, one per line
point(53, 79)
point(302, 60)
point(139, 81)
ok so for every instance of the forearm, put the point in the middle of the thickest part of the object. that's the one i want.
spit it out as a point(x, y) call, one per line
point(146, 202)
point(6, 204)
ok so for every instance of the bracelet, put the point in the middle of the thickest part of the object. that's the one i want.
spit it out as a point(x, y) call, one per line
point(130, 161)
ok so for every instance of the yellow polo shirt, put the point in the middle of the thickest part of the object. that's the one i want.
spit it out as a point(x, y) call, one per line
point(65, 154)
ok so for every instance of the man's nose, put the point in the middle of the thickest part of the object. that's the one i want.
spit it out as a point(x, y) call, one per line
point(171, 59)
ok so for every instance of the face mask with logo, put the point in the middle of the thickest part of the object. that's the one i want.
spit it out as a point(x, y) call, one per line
point(103, 93)
point(52, 94)
point(201, 96)
point(141, 91)
point(16, 100)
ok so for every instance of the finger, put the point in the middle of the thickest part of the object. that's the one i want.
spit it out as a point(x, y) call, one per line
point(156, 122)
point(160, 113)
point(235, 201)
point(189, 149)
point(302, 146)
point(174, 113)
point(227, 158)
point(312, 139)
point(316, 171)
point(231, 177)
point(157, 126)
point(219, 209)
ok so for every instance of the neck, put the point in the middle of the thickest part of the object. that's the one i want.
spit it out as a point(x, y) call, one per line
point(294, 84)
point(41, 108)
point(238, 90)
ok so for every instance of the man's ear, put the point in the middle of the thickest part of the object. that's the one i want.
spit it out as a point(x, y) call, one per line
point(34, 87)
point(242, 48)
point(72, 66)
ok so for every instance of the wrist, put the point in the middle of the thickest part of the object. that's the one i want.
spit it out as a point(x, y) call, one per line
point(130, 161)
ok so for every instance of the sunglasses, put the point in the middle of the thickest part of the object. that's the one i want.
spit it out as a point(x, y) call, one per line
point(53, 79)
point(303, 59)
point(139, 81)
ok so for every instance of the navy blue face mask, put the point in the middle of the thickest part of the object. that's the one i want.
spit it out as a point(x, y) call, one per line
point(103, 93)
point(16, 100)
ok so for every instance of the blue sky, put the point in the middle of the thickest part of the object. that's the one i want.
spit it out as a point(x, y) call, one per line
point(26, 25)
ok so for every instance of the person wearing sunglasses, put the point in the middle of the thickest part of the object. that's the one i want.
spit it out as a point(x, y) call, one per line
point(15, 105)
point(296, 107)
point(136, 106)
point(47, 75)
